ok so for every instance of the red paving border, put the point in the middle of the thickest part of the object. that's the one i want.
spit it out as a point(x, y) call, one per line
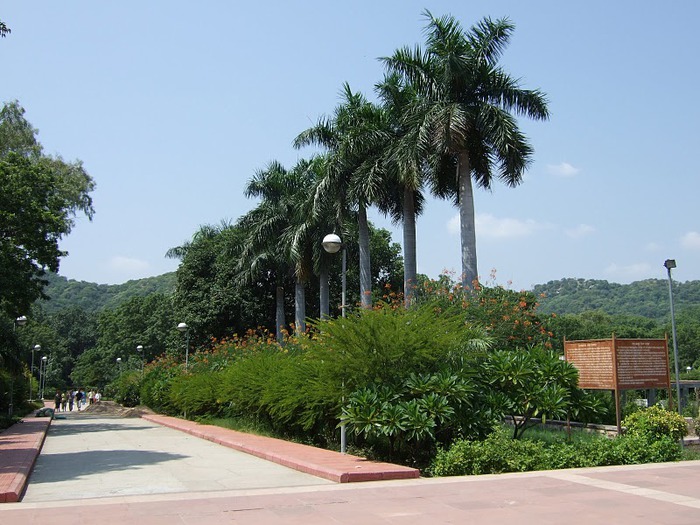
point(327, 464)
point(19, 447)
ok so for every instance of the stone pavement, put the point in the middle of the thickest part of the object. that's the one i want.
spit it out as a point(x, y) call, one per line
point(658, 493)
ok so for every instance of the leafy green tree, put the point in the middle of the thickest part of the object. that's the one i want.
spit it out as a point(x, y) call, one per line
point(529, 383)
point(4, 30)
point(40, 199)
point(465, 114)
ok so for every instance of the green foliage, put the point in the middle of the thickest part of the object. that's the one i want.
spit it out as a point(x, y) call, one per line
point(91, 297)
point(498, 453)
point(510, 317)
point(40, 199)
point(125, 390)
point(529, 383)
point(647, 298)
point(654, 423)
point(196, 394)
point(386, 345)
point(156, 383)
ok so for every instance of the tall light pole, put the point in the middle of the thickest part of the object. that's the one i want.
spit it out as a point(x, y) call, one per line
point(139, 348)
point(668, 264)
point(332, 243)
point(186, 329)
point(42, 375)
point(31, 371)
point(20, 321)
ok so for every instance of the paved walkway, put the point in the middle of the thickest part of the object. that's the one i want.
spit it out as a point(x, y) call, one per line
point(649, 494)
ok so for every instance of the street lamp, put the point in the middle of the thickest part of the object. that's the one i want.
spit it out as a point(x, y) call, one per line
point(139, 348)
point(42, 375)
point(20, 321)
point(668, 264)
point(119, 365)
point(332, 243)
point(31, 371)
point(186, 329)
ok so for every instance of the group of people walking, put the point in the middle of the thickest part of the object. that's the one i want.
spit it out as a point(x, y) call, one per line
point(66, 401)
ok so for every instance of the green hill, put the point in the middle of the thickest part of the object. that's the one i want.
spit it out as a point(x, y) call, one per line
point(648, 298)
point(64, 293)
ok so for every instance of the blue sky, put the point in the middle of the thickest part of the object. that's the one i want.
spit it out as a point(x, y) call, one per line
point(173, 105)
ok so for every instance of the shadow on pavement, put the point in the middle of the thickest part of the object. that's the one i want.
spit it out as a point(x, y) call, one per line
point(60, 467)
point(83, 428)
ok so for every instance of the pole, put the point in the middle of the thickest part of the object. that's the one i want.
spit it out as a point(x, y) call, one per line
point(344, 281)
point(187, 348)
point(31, 376)
point(673, 331)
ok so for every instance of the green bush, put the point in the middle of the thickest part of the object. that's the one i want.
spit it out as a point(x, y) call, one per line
point(499, 453)
point(196, 394)
point(655, 423)
point(125, 389)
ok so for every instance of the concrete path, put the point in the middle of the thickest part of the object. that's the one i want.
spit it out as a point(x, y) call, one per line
point(96, 457)
point(150, 488)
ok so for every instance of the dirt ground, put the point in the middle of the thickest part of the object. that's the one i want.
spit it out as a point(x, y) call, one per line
point(110, 408)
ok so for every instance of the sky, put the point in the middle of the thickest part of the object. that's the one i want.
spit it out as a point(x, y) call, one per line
point(172, 106)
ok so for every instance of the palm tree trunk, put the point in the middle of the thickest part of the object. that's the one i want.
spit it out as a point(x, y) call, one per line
point(409, 246)
point(365, 267)
point(467, 230)
point(279, 314)
point(299, 307)
point(324, 294)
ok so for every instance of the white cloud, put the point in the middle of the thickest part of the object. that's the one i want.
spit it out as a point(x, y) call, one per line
point(691, 241)
point(629, 272)
point(563, 169)
point(653, 247)
point(488, 226)
point(580, 231)
point(128, 265)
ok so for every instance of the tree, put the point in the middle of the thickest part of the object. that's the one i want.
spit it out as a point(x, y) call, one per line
point(4, 30)
point(464, 114)
point(355, 138)
point(41, 197)
point(268, 247)
point(404, 166)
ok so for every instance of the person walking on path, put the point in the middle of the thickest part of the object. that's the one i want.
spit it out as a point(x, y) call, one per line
point(57, 401)
point(64, 401)
point(71, 399)
point(79, 398)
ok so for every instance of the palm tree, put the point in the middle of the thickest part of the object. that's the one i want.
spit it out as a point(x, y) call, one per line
point(464, 115)
point(404, 167)
point(264, 226)
point(354, 139)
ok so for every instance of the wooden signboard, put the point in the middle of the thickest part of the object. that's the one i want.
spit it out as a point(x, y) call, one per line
point(620, 364)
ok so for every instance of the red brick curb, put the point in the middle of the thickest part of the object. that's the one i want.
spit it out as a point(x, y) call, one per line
point(327, 464)
point(19, 447)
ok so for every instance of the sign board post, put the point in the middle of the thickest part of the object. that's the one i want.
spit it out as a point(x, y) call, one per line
point(620, 364)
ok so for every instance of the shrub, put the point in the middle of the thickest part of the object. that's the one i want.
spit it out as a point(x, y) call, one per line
point(125, 389)
point(656, 423)
point(196, 394)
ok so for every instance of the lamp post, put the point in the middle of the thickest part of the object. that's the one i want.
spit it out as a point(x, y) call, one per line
point(31, 371)
point(668, 264)
point(139, 348)
point(42, 375)
point(332, 243)
point(20, 321)
point(186, 329)
point(119, 366)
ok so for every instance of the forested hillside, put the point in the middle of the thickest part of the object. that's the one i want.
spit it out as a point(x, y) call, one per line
point(64, 293)
point(648, 298)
